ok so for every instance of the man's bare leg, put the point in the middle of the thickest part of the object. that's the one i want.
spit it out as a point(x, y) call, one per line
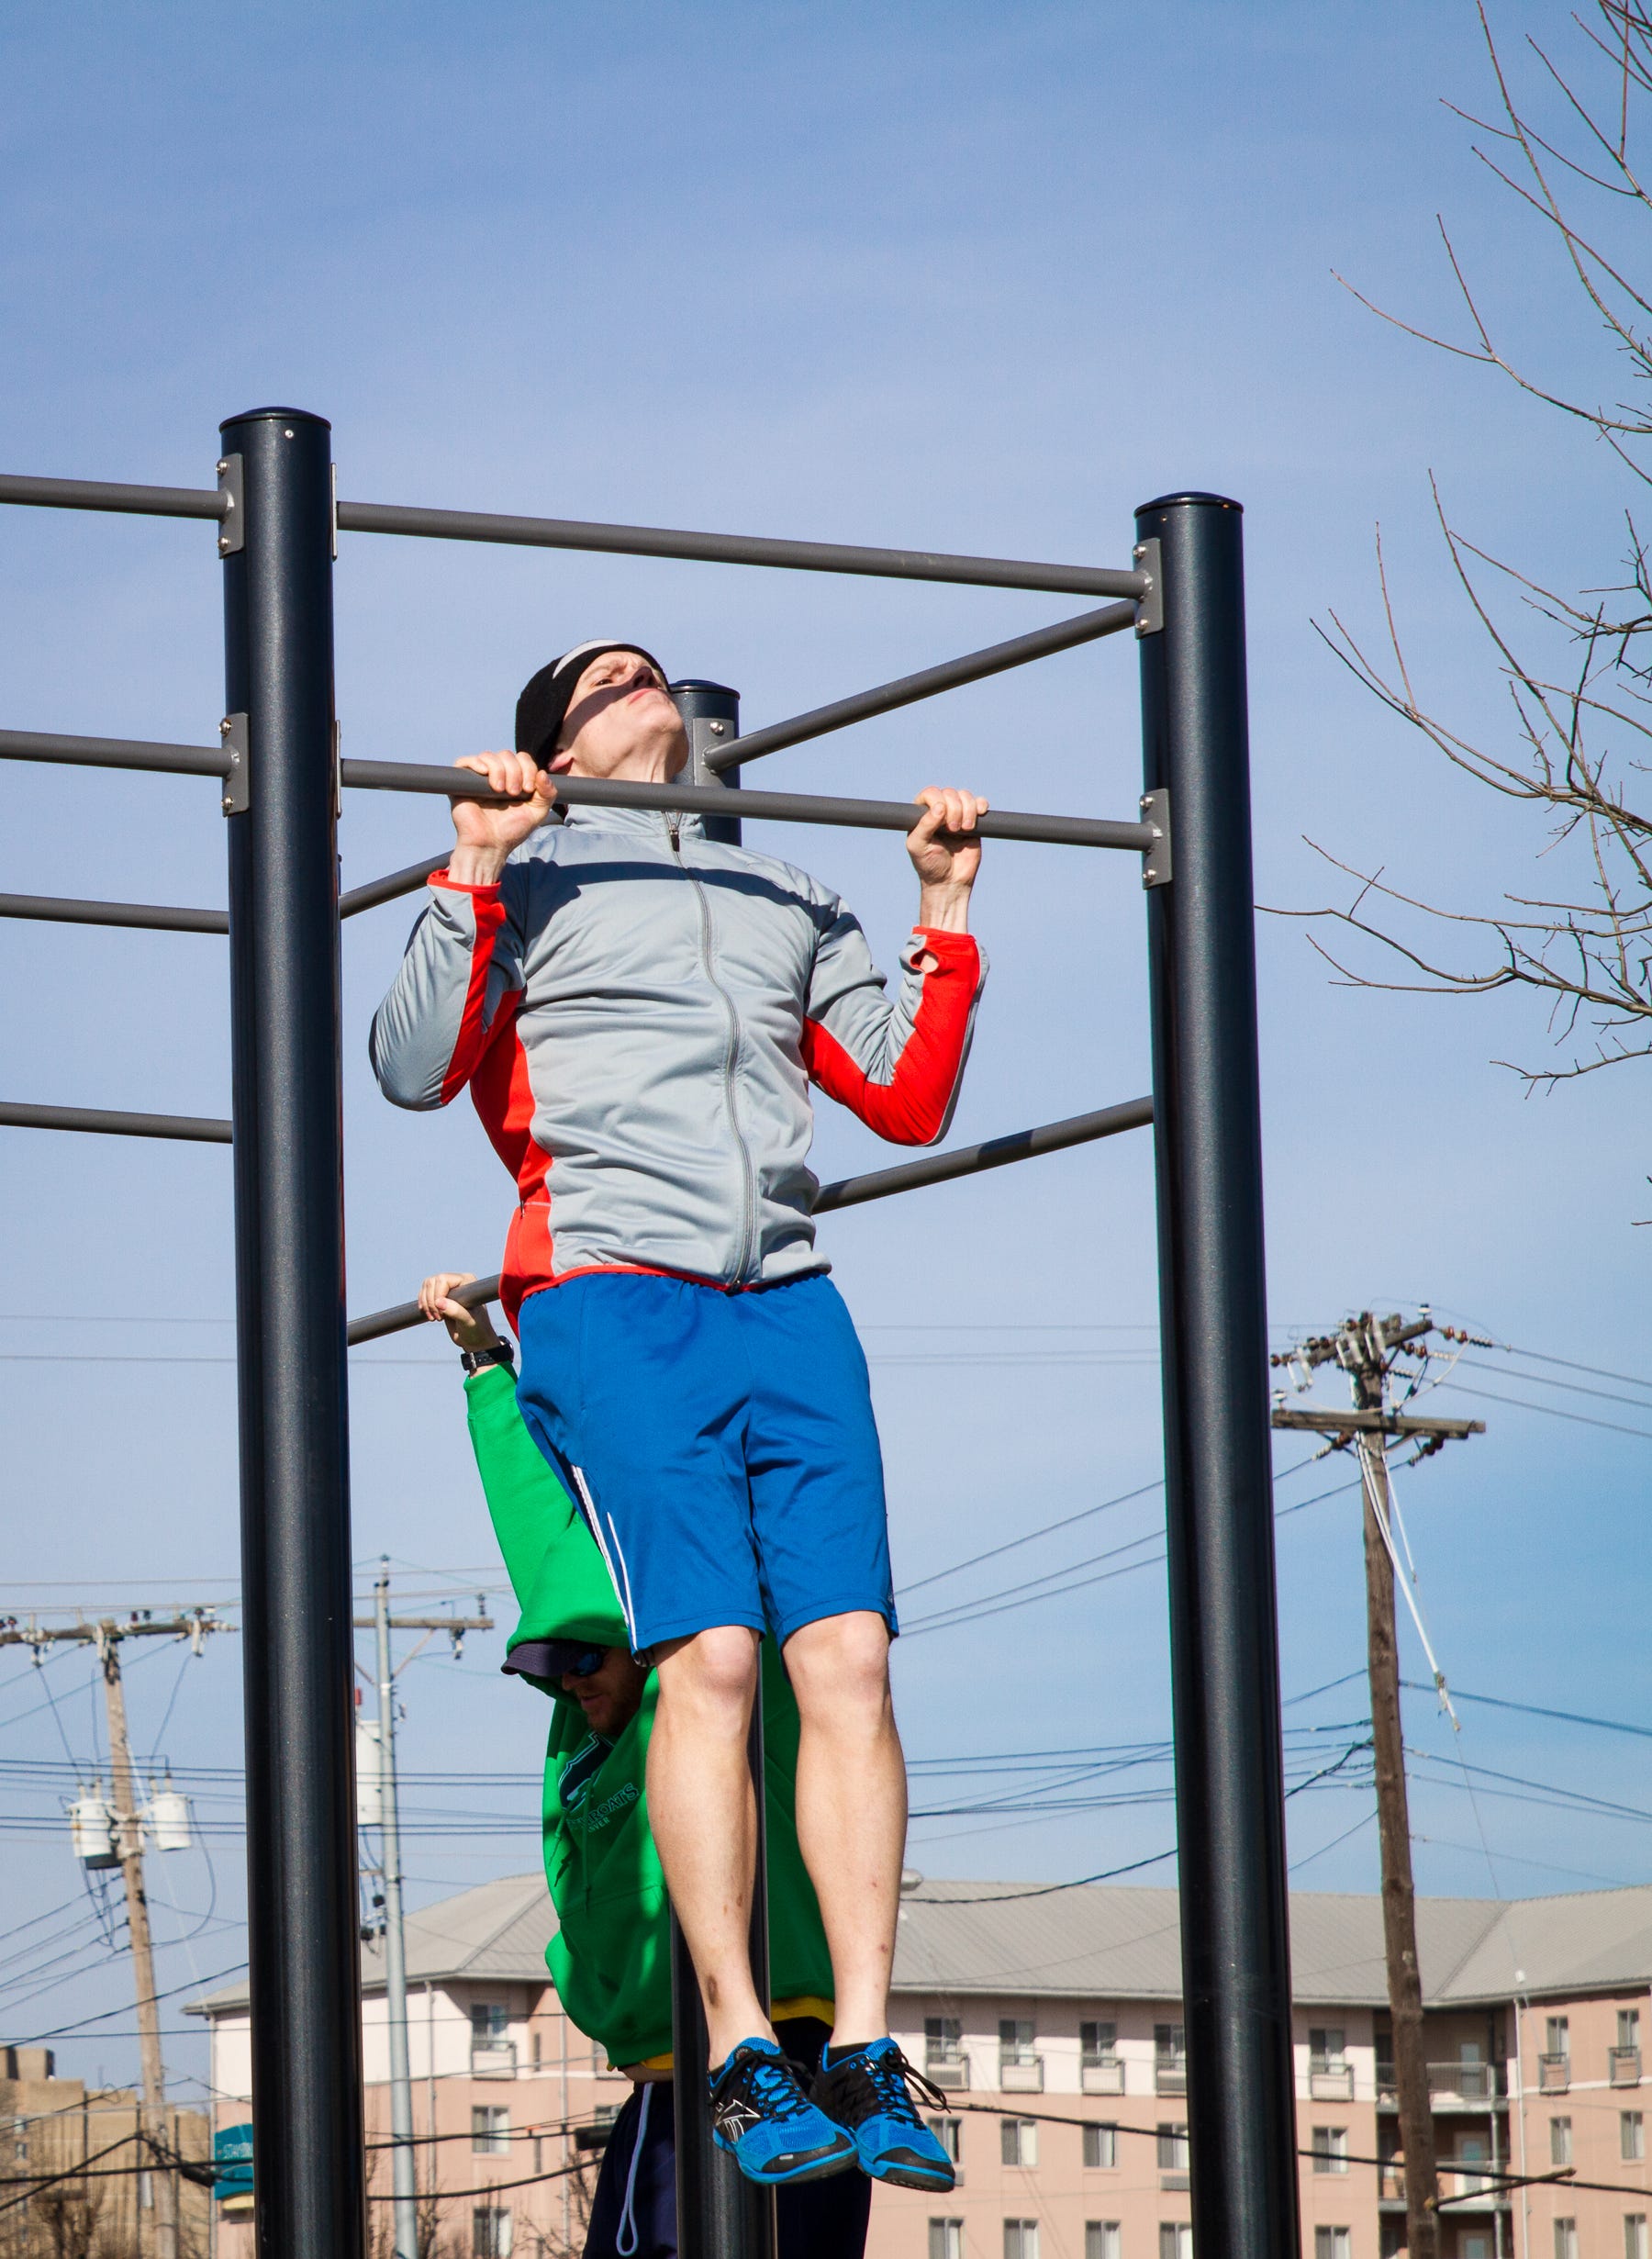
point(851, 1807)
point(703, 1815)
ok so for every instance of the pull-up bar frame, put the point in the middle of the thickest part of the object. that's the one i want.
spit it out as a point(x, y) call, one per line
point(280, 775)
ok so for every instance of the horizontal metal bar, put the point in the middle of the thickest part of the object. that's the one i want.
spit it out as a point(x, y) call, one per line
point(1078, 1129)
point(194, 1129)
point(402, 1316)
point(113, 753)
point(94, 494)
point(952, 675)
point(459, 784)
point(61, 910)
point(939, 1168)
point(468, 525)
point(407, 880)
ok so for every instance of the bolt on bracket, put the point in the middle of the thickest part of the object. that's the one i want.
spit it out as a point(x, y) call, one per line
point(232, 526)
point(237, 779)
point(1156, 859)
point(1150, 611)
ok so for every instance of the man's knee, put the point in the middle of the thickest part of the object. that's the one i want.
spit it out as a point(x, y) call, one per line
point(839, 1667)
point(712, 1672)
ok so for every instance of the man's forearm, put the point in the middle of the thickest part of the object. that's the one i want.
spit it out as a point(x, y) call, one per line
point(944, 907)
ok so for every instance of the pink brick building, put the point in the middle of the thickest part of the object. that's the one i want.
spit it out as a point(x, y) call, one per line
point(1054, 2026)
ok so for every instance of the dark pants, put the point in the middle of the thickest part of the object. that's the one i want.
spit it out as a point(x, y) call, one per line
point(819, 2219)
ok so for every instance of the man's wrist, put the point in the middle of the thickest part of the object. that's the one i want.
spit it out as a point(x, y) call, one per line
point(476, 867)
point(944, 907)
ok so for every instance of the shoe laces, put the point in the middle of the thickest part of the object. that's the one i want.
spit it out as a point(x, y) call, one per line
point(767, 2082)
point(881, 2085)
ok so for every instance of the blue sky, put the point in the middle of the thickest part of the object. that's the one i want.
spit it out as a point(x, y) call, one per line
point(950, 276)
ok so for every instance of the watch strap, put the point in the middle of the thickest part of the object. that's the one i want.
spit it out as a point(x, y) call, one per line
point(497, 1353)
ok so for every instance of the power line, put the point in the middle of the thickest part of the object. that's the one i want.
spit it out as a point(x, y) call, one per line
point(1520, 1403)
point(1532, 1709)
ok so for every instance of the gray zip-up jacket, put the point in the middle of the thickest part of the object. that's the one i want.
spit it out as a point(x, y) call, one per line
point(639, 1012)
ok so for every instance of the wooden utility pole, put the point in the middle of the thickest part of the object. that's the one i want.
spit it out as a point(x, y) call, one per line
point(130, 1842)
point(1364, 1346)
point(152, 2120)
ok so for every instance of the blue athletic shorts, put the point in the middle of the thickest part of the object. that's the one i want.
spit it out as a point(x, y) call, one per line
point(722, 1447)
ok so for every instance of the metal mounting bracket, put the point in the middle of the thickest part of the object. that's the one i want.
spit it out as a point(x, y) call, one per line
point(1150, 612)
point(1155, 811)
point(238, 781)
point(232, 526)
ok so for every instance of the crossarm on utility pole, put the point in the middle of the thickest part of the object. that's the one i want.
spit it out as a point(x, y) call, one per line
point(1375, 1421)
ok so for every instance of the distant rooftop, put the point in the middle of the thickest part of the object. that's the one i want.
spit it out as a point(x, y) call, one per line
point(1105, 1942)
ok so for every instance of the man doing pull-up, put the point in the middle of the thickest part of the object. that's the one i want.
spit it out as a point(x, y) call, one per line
point(638, 1012)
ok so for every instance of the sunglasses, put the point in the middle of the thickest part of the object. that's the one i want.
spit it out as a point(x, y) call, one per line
point(570, 1660)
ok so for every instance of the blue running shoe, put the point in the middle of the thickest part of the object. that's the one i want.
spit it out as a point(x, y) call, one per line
point(868, 2090)
point(761, 2116)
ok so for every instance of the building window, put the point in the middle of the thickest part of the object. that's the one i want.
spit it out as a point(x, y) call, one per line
point(1098, 2043)
point(949, 2132)
point(1566, 2233)
point(1173, 2149)
point(1101, 2147)
point(1021, 2239)
point(1330, 2073)
point(1331, 2243)
point(490, 2023)
point(943, 2039)
point(1018, 2140)
point(1102, 2240)
point(1016, 2035)
point(1176, 2239)
point(1560, 2146)
point(1635, 2235)
point(490, 2232)
point(1631, 2137)
point(1169, 2059)
point(490, 2131)
point(946, 2239)
point(1330, 2146)
point(1628, 2027)
point(1557, 2031)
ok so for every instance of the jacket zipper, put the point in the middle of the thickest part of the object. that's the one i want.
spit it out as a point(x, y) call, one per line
point(748, 1186)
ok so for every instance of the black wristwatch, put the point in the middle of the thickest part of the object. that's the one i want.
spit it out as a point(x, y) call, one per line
point(495, 1353)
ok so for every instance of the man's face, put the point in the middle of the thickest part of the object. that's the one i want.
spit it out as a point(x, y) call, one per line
point(621, 721)
point(610, 1695)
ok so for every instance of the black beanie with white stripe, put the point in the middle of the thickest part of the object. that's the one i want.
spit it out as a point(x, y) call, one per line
point(543, 705)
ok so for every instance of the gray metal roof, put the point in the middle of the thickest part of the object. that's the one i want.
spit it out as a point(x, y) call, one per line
point(1107, 1942)
point(495, 1933)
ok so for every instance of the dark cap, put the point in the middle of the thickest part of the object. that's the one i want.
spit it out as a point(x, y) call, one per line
point(543, 705)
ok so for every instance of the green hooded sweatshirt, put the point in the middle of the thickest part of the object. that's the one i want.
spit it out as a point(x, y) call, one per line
point(610, 1959)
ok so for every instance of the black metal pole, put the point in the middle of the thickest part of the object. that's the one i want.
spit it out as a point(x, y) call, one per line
point(1223, 1632)
point(289, 1254)
point(721, 2214)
